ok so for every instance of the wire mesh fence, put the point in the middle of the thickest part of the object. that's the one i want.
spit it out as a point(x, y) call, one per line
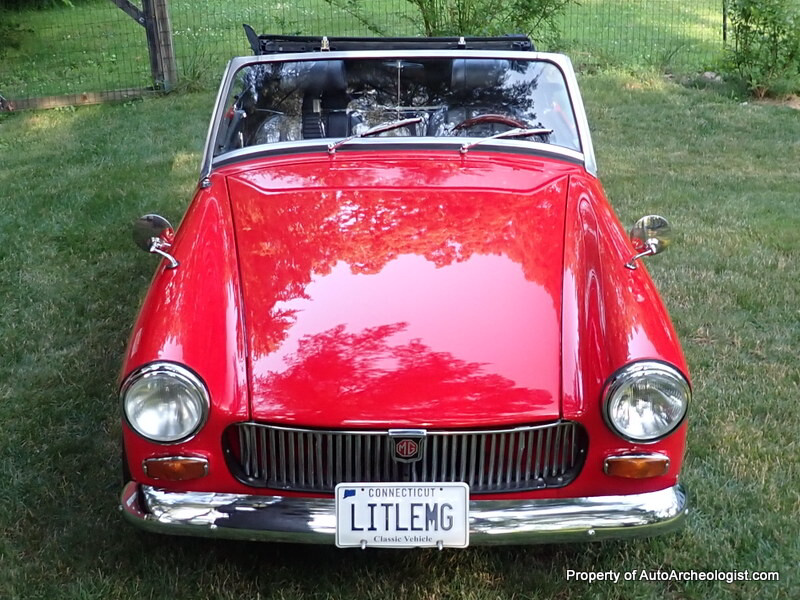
point(670, 34)
point(93, 50)
point(208, 33)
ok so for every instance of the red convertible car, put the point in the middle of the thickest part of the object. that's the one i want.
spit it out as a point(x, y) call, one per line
point(400, 312)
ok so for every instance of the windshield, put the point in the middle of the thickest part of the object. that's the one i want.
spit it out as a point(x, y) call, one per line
point(445, 97)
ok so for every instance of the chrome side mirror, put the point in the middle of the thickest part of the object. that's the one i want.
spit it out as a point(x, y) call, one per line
point(651, 235)
point(153, 233)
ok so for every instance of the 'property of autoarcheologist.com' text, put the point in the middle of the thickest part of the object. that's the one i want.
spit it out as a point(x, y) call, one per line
point(671, 575)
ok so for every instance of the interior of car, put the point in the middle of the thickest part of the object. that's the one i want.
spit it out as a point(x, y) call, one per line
point(475, 97)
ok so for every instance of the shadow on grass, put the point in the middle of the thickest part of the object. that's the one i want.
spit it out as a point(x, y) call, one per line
point(252, 568)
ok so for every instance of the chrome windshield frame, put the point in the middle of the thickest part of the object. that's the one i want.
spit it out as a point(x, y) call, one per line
point(561, 61)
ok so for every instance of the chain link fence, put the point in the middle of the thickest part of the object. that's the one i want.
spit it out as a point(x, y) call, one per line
point(95, 50)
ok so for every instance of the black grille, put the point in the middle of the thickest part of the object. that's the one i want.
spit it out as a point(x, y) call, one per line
point(490, 461)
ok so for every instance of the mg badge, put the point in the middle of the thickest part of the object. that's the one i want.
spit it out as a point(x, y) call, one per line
point(406, 449)
point(408, 444)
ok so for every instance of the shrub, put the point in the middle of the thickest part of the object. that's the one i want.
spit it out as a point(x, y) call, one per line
point(537, 18)
point(766, 51)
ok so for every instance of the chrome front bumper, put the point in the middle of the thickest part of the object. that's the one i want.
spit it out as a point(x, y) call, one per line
point(312, 520)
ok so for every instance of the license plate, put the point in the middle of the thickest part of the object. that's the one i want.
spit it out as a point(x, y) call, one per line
point(402, 515)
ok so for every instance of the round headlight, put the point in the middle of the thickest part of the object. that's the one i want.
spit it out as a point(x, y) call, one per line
point(164, 402)
point(646, 401)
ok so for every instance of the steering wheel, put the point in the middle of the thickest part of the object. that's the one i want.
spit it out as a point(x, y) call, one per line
point(491, 118)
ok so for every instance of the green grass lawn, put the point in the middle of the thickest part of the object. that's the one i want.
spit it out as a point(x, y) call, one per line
point(71, 279)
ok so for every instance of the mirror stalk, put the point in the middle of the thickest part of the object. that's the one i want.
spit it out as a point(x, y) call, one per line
point(159, 246)
point(154, 234)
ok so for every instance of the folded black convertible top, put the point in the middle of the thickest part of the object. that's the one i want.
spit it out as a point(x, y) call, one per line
point(277, 44)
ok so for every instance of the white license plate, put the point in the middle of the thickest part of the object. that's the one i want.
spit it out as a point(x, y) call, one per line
point(402, 515)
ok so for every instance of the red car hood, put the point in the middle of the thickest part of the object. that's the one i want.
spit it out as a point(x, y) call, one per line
point(384, 291)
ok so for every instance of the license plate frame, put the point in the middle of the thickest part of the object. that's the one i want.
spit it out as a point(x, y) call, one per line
point(402, 515)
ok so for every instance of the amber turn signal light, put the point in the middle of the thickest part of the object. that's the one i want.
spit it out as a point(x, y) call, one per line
point(636, 466)
point(176, 468)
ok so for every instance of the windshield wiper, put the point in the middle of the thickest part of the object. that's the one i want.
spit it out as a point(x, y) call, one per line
point(388, 126)
point(518, 132)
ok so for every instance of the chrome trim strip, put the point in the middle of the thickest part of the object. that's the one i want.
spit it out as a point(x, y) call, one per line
point(407, 432)
point(590, 162)
point(213, 125)
point(492, 522)
point(428, 432)
point(559, 60)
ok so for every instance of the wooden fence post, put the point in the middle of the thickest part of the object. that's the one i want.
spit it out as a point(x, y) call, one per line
point(159, 43)
point(154, 17)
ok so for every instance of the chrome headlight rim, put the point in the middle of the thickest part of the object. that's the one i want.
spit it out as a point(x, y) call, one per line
point(624, 374)
point(183, 374)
